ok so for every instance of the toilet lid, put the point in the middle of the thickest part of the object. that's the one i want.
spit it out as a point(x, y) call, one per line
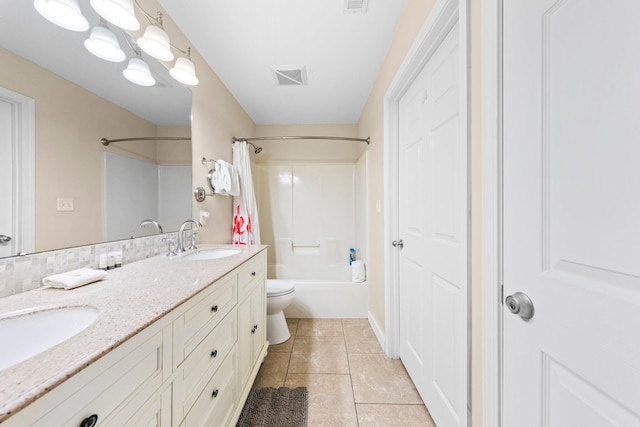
point(277, 288)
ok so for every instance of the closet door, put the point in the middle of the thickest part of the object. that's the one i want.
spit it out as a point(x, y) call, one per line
point(571, 213)
point(433, 228)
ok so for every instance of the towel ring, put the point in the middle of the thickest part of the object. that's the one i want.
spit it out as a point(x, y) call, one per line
point(200, 194)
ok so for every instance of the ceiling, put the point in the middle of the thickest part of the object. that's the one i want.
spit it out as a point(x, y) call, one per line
point(243, 39)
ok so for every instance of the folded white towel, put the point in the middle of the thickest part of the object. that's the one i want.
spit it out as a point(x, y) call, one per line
point(225, 180)
point(75, 278)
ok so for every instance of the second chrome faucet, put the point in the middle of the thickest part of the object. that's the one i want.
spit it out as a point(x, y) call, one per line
point(183, 228)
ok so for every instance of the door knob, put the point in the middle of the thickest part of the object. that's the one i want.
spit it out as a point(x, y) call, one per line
point(521, 305)
point(398, 244)
point(4, 239)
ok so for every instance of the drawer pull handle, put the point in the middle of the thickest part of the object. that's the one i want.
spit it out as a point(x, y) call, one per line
point(90, 421)
point(214, 308)
point(255, 328)
point(214, 353)
point(215, 393)
point(253, 273)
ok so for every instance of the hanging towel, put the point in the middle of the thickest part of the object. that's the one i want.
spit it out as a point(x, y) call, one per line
point(246, 227)
point(75, 278)
point(358, 273)
point(225, 180)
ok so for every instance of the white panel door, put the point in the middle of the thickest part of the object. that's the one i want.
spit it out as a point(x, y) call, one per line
point(433, 226)
point(572, 212)
point(7, 200)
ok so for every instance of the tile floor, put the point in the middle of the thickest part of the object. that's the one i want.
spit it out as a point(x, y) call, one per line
point(350, 380)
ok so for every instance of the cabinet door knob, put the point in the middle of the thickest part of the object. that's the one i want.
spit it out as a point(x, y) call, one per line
point(90, 421)
point(214, 353)
point(215, 393)
point(214, 308)
point(253, 273)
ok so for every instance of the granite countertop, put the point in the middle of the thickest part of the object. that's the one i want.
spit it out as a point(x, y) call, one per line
point(130, 299)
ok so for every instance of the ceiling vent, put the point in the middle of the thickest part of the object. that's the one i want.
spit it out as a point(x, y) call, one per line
point(355, 6)
point(290, 75)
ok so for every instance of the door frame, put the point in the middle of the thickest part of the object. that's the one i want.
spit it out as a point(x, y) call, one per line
point(444, 15)
point(24, 179)
point(492, 220)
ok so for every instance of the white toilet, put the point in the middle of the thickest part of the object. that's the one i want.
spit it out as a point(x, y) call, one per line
point(280, 294)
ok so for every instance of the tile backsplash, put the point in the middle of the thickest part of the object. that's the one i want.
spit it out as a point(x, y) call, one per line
point(23, 273)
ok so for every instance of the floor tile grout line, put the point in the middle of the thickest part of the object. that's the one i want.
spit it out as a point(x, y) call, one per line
point(353, 392)
point(293, 337)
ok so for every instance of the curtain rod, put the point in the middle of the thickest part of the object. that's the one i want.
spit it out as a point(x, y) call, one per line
point(269, 138)
point(106, 141)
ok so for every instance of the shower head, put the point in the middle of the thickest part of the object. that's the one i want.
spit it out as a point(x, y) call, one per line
point(257, 149)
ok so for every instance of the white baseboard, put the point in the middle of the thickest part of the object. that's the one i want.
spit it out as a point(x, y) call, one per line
point(377, 330)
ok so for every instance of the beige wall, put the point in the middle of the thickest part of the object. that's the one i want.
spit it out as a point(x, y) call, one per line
point(371, 124)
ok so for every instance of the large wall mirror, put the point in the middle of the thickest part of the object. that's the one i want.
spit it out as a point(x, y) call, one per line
point(85, 192)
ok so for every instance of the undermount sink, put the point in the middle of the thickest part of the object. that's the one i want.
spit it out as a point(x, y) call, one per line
point(211, 254)
point(26, 334)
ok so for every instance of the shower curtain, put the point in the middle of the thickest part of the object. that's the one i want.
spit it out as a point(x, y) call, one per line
point(246, 227)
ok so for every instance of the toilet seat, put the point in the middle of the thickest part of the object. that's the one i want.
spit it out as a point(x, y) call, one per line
point(277, 288)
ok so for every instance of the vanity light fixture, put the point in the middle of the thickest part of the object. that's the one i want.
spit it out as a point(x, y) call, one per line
point(138, 72)
point(118, 12)
point(64, 13)
point(104, 44)
point(155, 41)
point(183, 70)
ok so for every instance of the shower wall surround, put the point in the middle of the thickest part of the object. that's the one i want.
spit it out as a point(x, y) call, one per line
point(23, 273)
point(310, 216)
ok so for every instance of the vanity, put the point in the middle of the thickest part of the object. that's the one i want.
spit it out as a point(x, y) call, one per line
point(178, 342)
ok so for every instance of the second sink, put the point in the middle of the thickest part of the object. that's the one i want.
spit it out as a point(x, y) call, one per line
point(211, 254)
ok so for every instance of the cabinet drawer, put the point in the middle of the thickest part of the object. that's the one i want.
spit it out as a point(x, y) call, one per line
point(250, 274)
point(216, 404)
point(204, 361)
point(140, 371)
point(211, 309)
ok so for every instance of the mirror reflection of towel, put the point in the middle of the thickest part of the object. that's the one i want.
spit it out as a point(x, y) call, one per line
point(225, 179)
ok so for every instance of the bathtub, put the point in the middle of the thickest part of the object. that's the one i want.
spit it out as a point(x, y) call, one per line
point(328, 300)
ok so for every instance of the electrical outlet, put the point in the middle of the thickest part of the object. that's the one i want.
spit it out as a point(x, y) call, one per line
point(64, 205)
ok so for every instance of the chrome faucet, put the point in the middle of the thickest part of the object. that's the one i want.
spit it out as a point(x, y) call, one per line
point(181, 233)
point(151, 221)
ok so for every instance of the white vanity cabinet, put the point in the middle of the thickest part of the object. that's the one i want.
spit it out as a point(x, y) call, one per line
point(192, 367)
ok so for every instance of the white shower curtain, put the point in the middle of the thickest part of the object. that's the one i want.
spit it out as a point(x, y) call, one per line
point(246, 227)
